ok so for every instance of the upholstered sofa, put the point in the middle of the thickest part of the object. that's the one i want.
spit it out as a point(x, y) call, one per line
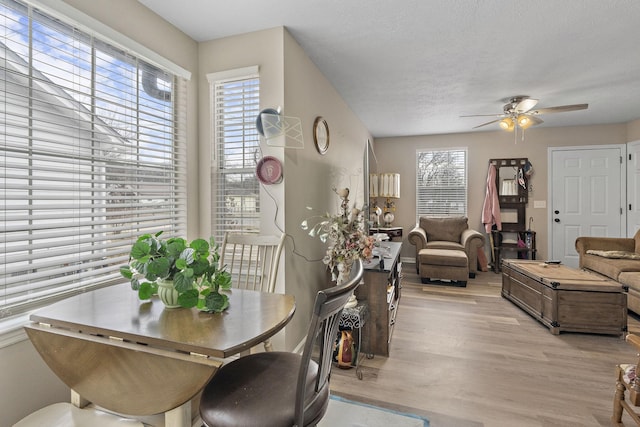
point(452, 233)
point(617, 258)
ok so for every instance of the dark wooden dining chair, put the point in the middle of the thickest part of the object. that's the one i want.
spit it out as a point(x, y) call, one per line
point(279, 388)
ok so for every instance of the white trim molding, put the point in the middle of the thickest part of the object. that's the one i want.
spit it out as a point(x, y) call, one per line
point(92, 26)
point(12, 330)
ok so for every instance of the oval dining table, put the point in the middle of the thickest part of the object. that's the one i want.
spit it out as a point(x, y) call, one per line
point(139, 358)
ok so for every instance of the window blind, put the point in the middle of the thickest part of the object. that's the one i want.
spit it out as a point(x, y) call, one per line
point(92, 155)
point(441, 183)
point(236, 149)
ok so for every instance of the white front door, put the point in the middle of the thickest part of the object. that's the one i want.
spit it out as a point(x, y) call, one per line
point(587, 196)
point(633, 188)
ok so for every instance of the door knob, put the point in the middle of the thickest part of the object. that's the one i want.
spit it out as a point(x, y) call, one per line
point(556, 212)
point(557, 220)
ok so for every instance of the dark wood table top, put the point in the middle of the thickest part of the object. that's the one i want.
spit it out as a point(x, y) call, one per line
point(116, 311)
point(388, 251)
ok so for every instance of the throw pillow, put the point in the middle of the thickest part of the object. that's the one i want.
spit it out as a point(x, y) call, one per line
point(614, 254)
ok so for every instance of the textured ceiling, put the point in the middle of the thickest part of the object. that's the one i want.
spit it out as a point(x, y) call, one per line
point(412, 67)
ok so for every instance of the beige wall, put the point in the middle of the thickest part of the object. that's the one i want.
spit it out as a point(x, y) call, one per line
point(26, 383)
point(633, 131)
point(309, 176)
point(399, 155)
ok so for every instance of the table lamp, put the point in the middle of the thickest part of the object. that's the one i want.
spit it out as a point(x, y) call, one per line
point(389, 189)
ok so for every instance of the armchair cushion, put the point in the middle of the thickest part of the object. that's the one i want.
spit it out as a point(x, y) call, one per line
point(444, 229)
point(628, 372)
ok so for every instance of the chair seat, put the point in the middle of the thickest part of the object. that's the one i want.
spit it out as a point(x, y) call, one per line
point(628, 372)
point(440, 244)
point(443, 257)
point(264, 381)
point(68, 415)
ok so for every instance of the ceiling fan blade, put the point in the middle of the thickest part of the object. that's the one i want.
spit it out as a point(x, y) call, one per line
point(525, 105)
point(488, 123)
point(560, 109)
point(485, 115)
point(536, 120)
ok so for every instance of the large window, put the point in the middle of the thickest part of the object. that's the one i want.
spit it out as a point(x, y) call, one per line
point(235, 199)
point(441, 183)
point(90, 157)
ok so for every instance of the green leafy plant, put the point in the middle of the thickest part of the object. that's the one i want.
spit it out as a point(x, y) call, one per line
point(193, 267)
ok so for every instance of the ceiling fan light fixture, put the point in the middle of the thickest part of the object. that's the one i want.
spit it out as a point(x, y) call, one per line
point(524, 121)
point(507, 124)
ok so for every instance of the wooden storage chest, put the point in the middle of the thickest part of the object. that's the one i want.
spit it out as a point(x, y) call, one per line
point(565, 299)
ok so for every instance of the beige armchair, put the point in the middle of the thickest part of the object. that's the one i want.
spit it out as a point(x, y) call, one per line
point(452, 233)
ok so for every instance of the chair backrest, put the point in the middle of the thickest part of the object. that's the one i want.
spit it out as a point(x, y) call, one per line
point(321, 337)
point(448, 229)
point(252, 259)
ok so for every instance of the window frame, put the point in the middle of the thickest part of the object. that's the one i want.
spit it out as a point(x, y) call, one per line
point(422, 210)
point(109, 246)
point(234, 110)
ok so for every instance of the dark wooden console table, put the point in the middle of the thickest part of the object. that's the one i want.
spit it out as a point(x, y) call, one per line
point(381, 291)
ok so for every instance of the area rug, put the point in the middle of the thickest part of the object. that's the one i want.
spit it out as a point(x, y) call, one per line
point(348, 413)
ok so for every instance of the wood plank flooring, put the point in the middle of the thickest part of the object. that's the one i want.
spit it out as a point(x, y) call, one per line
point(466, 357)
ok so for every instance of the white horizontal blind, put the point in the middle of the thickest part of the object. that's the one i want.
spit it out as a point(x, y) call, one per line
point(91, 156)
point(441, 183)
point(236, 148)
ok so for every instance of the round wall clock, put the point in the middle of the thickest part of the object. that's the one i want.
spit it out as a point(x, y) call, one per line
point(321, 135)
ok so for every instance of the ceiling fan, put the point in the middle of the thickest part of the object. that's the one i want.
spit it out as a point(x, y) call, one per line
point(519, 111)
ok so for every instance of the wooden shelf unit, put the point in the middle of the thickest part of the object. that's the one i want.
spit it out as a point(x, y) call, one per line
point(499, 247)
point(381, 291)
point(511, 171)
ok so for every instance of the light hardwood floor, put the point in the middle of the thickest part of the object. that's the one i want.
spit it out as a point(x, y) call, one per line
point(466, 357)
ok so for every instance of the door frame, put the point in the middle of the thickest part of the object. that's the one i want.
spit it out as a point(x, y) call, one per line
point(623, 185)
point(633, 187)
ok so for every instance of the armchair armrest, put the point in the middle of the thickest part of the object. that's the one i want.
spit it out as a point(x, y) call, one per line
point(418, 237)
point(471, 238)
